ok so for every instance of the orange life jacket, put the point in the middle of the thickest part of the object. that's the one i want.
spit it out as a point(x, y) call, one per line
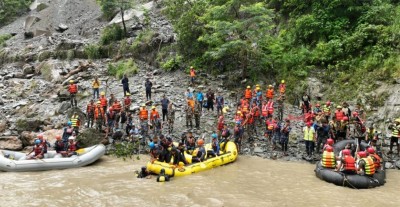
point(270, 124)
point(73, 88)
point(191, 103)
point(349, 163)
point(143, 114)
point(89, 109)
point(192, 73)
point(247, 93)
point(328, 159)
point(103, 101)
point(117, 106)
point(98, 112)
point(245, 108)
point(270, 93)
point(282, 88)
point(154, 115)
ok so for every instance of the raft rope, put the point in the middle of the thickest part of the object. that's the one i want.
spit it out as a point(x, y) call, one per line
point(346, 180)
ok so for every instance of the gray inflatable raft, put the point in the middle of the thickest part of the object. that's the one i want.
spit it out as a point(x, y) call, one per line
point(17, 162)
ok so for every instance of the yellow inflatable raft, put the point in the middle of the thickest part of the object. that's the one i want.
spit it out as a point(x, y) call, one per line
point(226, 156)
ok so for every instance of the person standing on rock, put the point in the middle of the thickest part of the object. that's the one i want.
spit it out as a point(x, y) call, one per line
point(90, 113)
point(200, 98)
point(220, 104)
point(189, 115)
point(127, 102)
point(192, 75)
point(323, 129)
point(125, 85)
point(103, 101)
point(394, 140)
point(111, 100)
point(306, 102)
point(148, 85)
point(285, 136)
point(164, 107)
point(76, 122)
point(171, 117)
point(95, 87)
point(99, 115)
point(210, 100)
point(309, 138)
point(197, 114)
point(73, 90)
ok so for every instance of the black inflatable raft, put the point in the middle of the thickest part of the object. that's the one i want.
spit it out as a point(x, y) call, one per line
point(352, 181)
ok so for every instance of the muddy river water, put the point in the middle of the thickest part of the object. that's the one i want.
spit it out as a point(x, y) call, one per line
point(250, 181)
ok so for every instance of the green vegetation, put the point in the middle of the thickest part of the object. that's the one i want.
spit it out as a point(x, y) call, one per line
point(3, 39)
point(125, 150)
point(92, 51)
point(121, 68)
point(111, 34)
point(110, 8)
point(343, 42)
point(45, 70)
point(9, 9)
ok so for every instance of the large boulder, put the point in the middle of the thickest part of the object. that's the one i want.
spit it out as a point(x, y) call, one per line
point(90, 137)
point(29, 124)
point(10, 143)
point(3, 125)
point(27, 138)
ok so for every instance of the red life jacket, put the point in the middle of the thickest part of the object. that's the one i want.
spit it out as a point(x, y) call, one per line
point(264, 110)
point(270, 107)
point(250, 119)
point(282, 88)
point(38, 150)
point(256, 111)
point(220, 125)
point(73, 88)
point(72, 147)
point(117, 107)
point(270, 124)
point(245, 108)
point(98, 112)
point(89, 109)
point(127, 101)
point(377, 160)
point(339, 115)
point(349, 163)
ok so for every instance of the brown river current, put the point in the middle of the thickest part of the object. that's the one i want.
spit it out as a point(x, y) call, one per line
point(250, 181)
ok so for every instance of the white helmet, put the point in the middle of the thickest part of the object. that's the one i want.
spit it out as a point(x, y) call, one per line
point(71, 138)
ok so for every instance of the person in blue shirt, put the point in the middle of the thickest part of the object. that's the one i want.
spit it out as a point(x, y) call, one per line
point(200, 98)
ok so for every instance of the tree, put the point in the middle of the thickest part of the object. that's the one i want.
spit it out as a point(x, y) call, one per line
point(110, 7)
point(12, 8)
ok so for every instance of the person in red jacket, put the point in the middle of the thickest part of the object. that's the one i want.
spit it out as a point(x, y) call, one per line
point(73, 90)
point(127, 102)
point(103, 101)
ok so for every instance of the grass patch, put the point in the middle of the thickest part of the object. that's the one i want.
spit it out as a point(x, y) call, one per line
point(92, 52)
point(3, 39)
point(123, 67)
point(45, 70)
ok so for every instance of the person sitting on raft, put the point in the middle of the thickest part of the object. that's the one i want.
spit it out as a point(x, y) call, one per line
point(377, 160)
point(59, 145)
point(144, 173)
point(329, 142)
point(365, 164)
point(38, 149)
point(178, 157)
point(347, 163)
point(200, 153)
point(162, 177)
point(71, 148)
point(215, 146)
point(328, 158)
point(154, 151)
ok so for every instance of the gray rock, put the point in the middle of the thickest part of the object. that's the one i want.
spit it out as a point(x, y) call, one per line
point(28, 69)
point(223, 77)
point(3, 125)
point(258, 150)
point(65, 105)
point(389, 165)
point(243, 81)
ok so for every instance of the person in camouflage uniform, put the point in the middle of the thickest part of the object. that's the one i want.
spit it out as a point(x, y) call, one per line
point(197, 113)
point(171, 117)
point(189, 116)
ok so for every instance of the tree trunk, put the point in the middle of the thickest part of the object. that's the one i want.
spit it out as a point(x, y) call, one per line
point(123, 21)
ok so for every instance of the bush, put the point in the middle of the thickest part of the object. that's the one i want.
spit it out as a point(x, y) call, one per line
point(93, 51)
point(173, 64)
point(126, 67)
point(111, 34)
point(3, 39)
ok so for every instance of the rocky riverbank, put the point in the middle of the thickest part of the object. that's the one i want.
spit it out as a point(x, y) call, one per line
point(35, 71)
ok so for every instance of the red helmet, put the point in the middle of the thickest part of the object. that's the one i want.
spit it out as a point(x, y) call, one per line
point(328, 103)
point(40, 136)
point(309, 124)
point(317, 105)
point(345, 118)
point(371, 150)
point(362, 154)
point(330, 141)
point(200, 142)
point(355, 113)
point(329, 149)
point(346, 152)
point(58, 137)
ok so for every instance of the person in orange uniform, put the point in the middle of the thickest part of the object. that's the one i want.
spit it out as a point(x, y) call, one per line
point(191, 103)
point(264, 110)
point(347, 164)
point(127, 102)
point(143, 113)
point(248, 93)
point(339, 113)
point(245, 107)
point(90, 113)
point(192, 75)
point(73, 90)
point(117, 106)
point(270, 92)
point(328, 158)
point(154, 114)
point(99, 115)
point(377, 160)
point(255, 110)
point(103, 101)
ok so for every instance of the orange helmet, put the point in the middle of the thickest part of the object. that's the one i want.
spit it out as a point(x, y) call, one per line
point(200, 142)
point(58, 137)
point(40, 136)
